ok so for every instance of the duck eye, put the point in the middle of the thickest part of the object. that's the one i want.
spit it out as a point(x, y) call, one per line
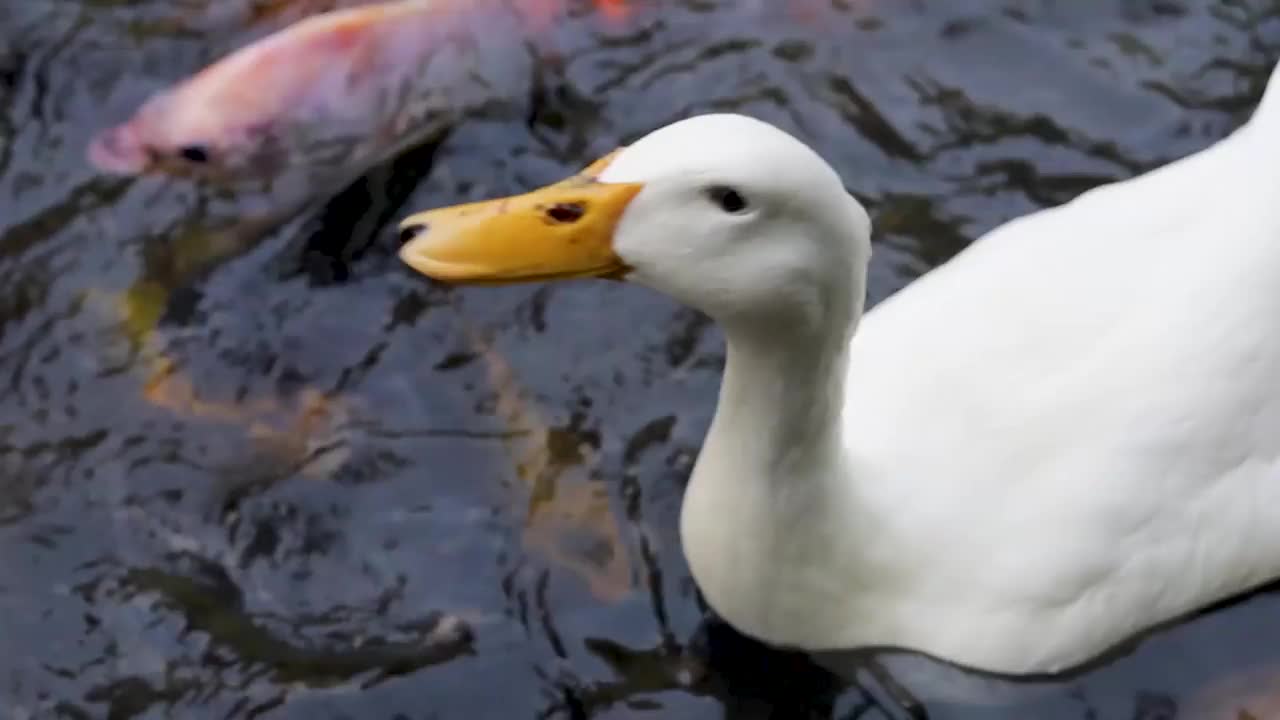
point(729, 200)
point(194, 153)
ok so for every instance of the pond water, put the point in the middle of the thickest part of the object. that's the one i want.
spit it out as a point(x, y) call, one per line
point(287, 479)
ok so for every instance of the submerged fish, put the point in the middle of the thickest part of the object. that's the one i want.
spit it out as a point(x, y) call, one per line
point(326, 97)
point(1242, 694)
point(568, 519)
point(289, 120)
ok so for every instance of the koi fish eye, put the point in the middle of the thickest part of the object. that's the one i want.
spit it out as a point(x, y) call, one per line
point(198, 154)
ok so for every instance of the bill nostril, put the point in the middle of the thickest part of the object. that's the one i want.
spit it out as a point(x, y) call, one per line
point(566, 212)
point(409, 232)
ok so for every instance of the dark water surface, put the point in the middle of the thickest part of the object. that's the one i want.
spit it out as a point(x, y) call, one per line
point(278, 483)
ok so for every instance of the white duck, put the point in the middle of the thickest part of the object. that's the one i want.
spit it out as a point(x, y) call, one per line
point(1065, 435)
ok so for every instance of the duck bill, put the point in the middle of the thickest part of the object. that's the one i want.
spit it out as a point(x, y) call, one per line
point(560, 231)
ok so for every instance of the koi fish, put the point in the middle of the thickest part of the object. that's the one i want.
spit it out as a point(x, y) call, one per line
point(1243, 695)
point(562, 511)
point(328, 96)
point(558, 511)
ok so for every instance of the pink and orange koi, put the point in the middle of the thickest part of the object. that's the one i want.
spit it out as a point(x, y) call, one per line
point(332, 94)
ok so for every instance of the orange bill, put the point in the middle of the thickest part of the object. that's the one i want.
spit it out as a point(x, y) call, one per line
point(563, 230)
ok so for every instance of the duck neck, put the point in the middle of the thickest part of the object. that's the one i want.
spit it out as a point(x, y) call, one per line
point(782, 394)
point(767, 509)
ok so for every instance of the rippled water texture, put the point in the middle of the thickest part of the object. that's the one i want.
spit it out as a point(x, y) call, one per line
point(286, 479)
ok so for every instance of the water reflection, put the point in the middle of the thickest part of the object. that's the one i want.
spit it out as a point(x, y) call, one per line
point(265, 473)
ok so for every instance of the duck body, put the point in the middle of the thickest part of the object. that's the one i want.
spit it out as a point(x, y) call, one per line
point(1064, 436)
